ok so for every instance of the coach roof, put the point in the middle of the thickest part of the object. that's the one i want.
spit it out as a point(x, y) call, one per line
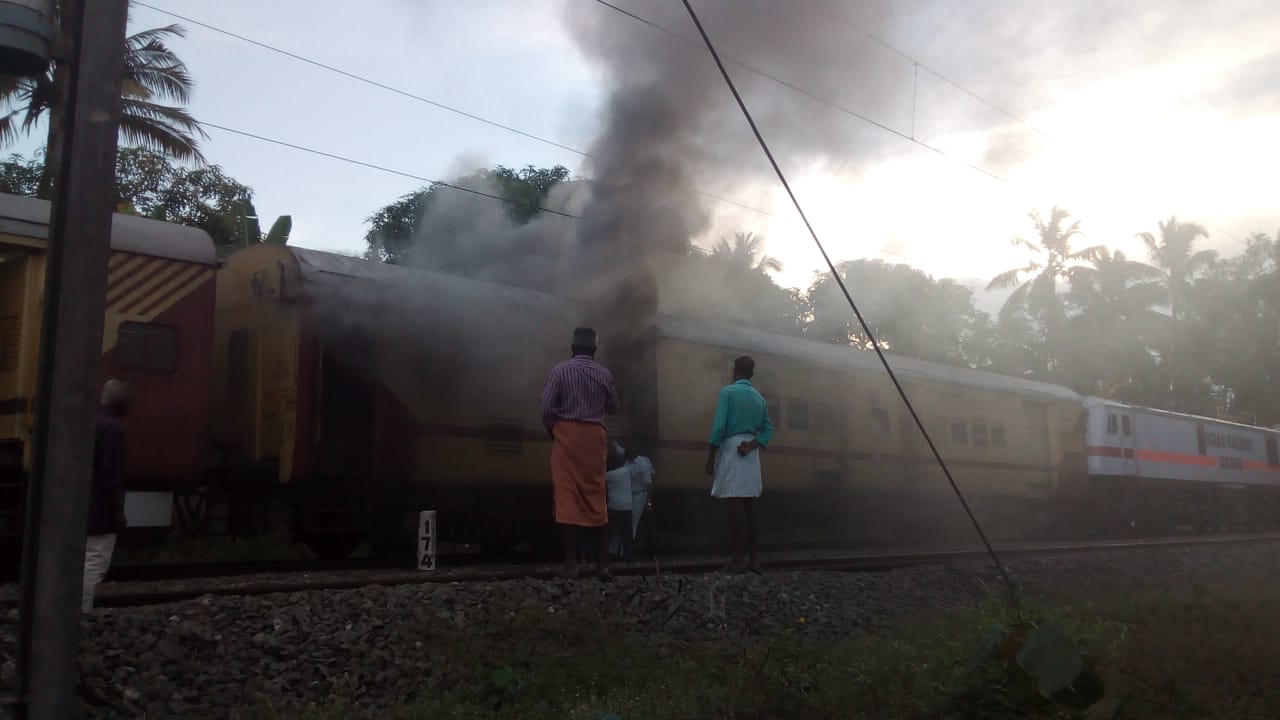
point(29, 218)
point(436, 289)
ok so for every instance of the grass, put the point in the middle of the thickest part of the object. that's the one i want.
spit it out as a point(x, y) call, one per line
point(1209, 654)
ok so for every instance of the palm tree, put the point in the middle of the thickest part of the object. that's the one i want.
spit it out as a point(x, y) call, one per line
point(153, 76)
point(1173, 255)
point(1052, 260)
point(1114, 290)
point(743, 253)
point(1114, 298)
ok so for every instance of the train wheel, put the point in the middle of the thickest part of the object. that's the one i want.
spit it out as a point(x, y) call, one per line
point(335, 546)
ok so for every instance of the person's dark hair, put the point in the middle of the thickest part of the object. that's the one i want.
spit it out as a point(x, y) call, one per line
point(584, 341)
point(744, 367)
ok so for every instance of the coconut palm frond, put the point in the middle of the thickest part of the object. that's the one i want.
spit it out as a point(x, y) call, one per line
point(167, 129)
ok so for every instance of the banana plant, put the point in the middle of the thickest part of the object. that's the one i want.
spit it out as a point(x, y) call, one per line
point(249, 232)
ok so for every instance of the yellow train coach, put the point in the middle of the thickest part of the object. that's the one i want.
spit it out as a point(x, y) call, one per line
point(371, 391)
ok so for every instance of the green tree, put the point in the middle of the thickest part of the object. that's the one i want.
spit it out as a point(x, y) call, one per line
point(396, 234)
point(21, 176)
point(727, 287)
point(746, 252)
point(911, 313)
point(149, 184)
point(1036, 293)
point(1231, 335)
point(154, 77)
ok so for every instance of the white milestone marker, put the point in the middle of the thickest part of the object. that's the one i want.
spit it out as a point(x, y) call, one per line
point(427, 540)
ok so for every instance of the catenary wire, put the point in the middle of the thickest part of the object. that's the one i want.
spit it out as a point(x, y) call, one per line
point(382, 168)
point(809, 94)
point(401, 173)
point(553, 143)
point(405, 93)
point(875, 343)
point(448, 108)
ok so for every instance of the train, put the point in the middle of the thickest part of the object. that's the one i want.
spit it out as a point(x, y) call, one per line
point(357, 393)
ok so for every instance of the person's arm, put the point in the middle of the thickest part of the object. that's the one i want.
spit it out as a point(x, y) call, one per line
point(547, 403)
point(718, 427)
point(762, 438)
point(611, 403)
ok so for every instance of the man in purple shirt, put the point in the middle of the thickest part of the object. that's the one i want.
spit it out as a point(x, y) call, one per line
point(106, 493)
point(578, 395)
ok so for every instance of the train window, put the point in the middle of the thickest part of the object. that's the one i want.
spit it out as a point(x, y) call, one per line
point(979, 433)
point(10, 336)
point(238, 361)
point(504, 437)
point(797, 415)
point(1126, 425)
point(1111, 424)
point(997, 435)
point(880, 420)
point(775, 413)
point(824, 418)
point(1273, 457)
point(938, 429)
point(960, 432)
point(147, 346)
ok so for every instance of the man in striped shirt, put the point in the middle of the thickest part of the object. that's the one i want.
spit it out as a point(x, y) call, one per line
point(578, 395)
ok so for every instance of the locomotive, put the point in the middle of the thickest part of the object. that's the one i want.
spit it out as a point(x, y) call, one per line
point(361, 393)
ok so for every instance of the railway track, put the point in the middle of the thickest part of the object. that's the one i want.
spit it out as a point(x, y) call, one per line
point(353, 575)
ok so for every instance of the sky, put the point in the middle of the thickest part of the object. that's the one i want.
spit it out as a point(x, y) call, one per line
point(1126, 112)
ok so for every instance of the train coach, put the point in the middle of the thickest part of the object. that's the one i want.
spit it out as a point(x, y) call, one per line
point(371, 391)
point(157, 336)
point(1154, 470)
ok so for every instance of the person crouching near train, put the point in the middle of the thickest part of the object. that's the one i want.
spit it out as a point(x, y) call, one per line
point(106, 491)
point(741, 429)
point(617, 482)
point(578, 395)
point(627, 502)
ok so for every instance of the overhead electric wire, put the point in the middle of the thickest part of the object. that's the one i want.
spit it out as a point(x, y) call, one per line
point(449, 108)
point(404, 93)
point(362, 163)
point(406, 174)
point(809, 94)
point(872, 37)
point(875, 343)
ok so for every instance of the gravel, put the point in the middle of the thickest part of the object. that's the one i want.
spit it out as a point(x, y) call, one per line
point(379, 646)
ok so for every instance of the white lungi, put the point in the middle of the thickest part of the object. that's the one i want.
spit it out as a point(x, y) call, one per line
point(97, 558)
point(736, 475)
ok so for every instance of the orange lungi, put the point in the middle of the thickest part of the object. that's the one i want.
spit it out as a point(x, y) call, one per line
point(577, 473)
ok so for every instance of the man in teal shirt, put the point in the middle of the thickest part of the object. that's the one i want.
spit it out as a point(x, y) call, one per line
point(740, 430)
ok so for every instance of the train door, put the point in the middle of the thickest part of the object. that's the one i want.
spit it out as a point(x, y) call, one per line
point(910, 436)
point(345, 436)
point(1128, 443)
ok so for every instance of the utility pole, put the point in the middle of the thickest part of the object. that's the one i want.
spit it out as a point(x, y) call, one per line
point(90, 51)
